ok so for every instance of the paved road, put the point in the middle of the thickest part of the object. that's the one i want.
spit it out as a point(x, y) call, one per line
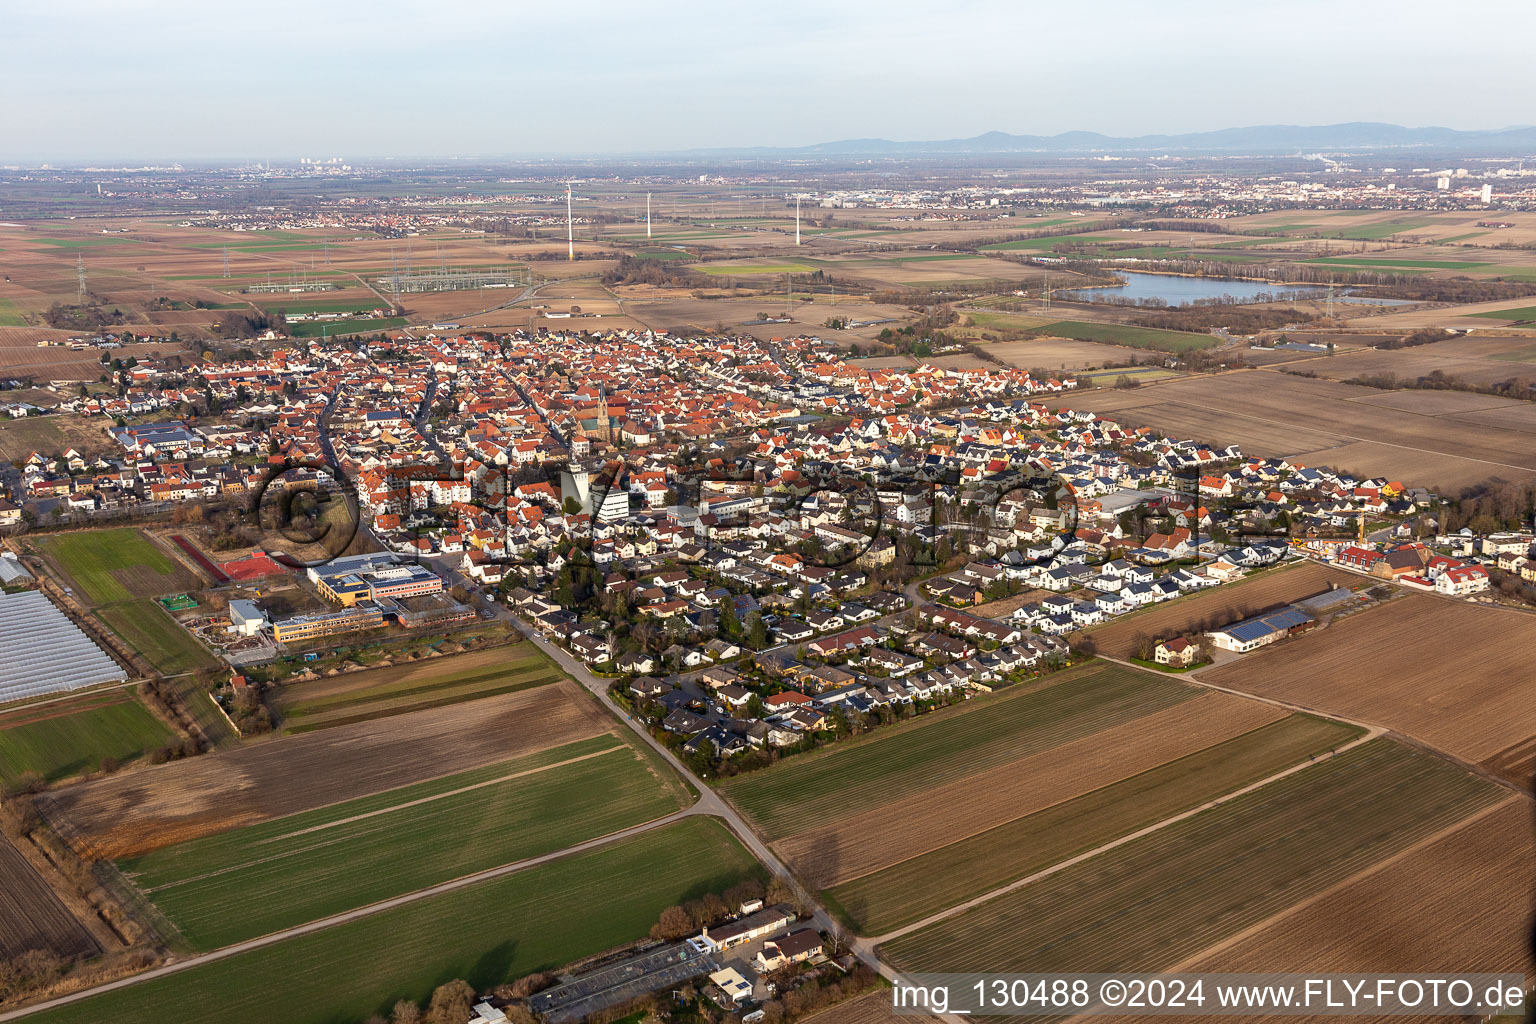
point(710, 802)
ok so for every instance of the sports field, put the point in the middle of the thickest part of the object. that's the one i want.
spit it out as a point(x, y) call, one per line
point(486, 934)
point(63, 738)
point(1162, 898)
point(251, 881)
point(436, 682)
point(151, 631)
point(337, 328)
point(116, 565)
point(949, 875)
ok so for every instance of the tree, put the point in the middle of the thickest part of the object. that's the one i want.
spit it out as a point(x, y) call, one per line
point(729, 624)
point(452, 1003)
point(674, 923)
point(757, 632)
point(405, 1012)
point(571, 507)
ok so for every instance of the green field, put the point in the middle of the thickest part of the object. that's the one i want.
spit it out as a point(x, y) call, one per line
point(336, 328)
point(1518, 313)
point(83, 243)
point(264, 878)
point(1135, 337)
point(151, 631)
point(930, 751)
point(362, 305)
point(383, 692)
point(756, 268)
point(1161, 898)
point(10, 316)
point(64, 738)
point(199, 704)
point(1047, 242)
point(1371, 232)
point(912, 890)
point(91, 557)
point(487, 934)
point(1008, 321)
point(1386, 263)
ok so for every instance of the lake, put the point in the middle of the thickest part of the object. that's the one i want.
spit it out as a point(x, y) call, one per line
point(1176, 291)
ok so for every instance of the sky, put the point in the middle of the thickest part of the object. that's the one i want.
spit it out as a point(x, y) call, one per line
point(281, 79)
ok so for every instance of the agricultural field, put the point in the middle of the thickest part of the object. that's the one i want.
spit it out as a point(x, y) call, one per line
point(899, 763)
point(1058, 354)
point(487, 934)
point(859, 844)
point(133, 813)
point(108, 566)
point(250, 881)
point(1481, 361)
point(1410, 665)
point(1129, 336)
point(151, 631)
point(32, 916)
point(1070, 817)
point(60, 739)
point(1460, 880)
point(870, 1008)
point(19, 438)
point(1218, 606)
point(436, 682)
point(1324, 423)
point(1164, 897)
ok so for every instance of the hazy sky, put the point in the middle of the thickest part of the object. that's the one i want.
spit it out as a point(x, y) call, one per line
point(287, 78)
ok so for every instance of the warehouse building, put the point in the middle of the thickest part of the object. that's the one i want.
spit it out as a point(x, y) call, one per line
point(1262, 630)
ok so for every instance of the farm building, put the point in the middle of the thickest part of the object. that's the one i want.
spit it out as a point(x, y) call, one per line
point(1176, 653)
point(1262, 630)
point(753, 926)
point(45, 652)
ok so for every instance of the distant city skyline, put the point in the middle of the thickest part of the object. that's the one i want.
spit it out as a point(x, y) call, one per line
point(176, 80)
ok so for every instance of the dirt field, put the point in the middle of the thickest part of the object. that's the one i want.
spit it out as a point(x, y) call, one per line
point(856, 845)
point(20, 355)
point(1062, 354)
point(1319, 422)
point(1168, 896)
point(31, 916)
point(1454, 675)
point(1219, 606)
point(1481, 359)
point(137, 811)
point(871, 1008)
point(1457, 902)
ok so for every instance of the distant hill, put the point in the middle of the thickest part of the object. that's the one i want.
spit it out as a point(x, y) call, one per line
point(1358, 136)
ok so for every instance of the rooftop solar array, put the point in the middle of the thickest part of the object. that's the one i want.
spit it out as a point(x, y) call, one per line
point(44, 652)
point(1252, 629)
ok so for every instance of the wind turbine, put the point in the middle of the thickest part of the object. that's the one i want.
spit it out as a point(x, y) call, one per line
point(647, 216)
point(797, 220)
point(570, 226)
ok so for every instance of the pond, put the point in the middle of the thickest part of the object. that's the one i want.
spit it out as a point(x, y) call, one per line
point(1142, 286)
